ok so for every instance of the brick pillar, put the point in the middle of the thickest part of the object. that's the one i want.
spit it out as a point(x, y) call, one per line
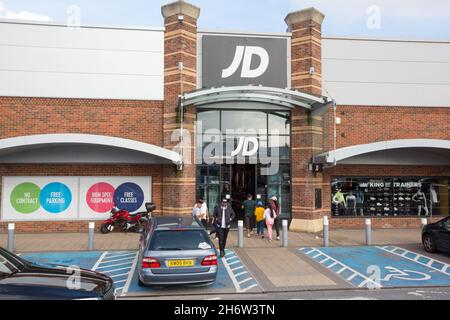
point(180, 45)
point(307, 131)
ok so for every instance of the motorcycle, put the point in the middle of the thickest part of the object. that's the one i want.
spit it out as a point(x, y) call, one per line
point(124, 221)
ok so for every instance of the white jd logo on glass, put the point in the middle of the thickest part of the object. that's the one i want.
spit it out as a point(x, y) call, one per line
point(243, 147)
point(245, 55)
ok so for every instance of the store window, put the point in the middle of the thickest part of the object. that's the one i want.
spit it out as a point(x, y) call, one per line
point(400, 196)
point(236, 178)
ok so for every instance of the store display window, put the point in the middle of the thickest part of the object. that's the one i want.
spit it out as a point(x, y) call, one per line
point(390, 196)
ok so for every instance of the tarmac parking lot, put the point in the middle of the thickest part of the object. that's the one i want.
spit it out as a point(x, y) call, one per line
point(233, 276)
point(381, 266)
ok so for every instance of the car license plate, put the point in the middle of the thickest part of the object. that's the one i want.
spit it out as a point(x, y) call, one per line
point(180, 263)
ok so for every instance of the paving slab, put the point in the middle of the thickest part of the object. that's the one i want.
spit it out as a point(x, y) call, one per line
point(63, 242)
point(283, 269)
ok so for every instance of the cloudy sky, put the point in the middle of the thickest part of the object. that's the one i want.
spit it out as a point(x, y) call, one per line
point(419, 19)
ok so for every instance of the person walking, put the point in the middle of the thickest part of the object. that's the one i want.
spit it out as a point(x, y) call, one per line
point(270, 219)
point(223, 215)
point(276, 210)
point(259, 214)
point(249, 209)
point(200, 213)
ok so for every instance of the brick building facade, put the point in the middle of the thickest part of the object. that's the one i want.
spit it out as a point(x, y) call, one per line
point(345, 152)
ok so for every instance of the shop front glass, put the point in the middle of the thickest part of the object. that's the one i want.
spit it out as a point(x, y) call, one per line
point(236, 167)
point(400, 196)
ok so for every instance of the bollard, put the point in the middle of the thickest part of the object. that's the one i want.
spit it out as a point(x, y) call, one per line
point(326, 232)
point(368, 232)
point(240, 234)
point(424, 222)
point(91, 236)
point(10, 245)
point(285, 233)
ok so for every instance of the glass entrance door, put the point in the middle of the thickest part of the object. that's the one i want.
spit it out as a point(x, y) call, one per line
point(243, 184)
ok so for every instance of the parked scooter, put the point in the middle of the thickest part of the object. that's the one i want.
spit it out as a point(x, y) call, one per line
point(124, 221)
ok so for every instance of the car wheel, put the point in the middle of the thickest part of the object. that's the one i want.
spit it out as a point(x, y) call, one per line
point(428, 243)
point(104, 228)
point(140, 283)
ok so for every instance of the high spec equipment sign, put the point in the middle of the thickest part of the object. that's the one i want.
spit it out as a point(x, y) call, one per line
point(232, 61)
point(71, 198)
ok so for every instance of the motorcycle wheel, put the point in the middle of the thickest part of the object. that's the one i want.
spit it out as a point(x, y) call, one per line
point(105, 228)
point(121, 226)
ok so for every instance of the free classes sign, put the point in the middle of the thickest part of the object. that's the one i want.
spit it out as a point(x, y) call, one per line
point(71, 198)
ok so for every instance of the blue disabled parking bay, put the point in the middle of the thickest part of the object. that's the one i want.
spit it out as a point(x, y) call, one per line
point(380, 267)
point(233, 276)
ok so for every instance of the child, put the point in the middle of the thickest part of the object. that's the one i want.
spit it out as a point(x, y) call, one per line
point(259, 214)
point(270, 219)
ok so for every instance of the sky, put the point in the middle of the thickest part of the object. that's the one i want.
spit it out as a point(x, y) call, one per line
point(411, 19)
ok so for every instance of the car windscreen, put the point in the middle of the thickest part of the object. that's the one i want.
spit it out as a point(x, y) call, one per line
point(173, 240)
point(6, 267)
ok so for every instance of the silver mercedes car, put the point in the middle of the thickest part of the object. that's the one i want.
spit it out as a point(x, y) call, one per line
point(176, 250)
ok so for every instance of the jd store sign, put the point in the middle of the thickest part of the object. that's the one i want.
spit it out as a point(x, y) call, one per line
point(233, 61)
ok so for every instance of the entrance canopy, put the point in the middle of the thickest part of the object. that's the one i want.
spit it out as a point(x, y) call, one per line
point(273, 96)
point(83, 148)
point(395, 152)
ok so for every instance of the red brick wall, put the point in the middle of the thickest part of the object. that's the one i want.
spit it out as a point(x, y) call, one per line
point(367, 124)
point(379, 223)
point(136, 120)
point(79, 170)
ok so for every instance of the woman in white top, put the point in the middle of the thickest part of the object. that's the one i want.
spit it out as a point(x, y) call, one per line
point(200, 213)
point(269, 215)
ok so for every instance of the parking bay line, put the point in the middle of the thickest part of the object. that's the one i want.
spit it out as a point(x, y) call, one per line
point(119, 275)
point(237, 268)
point(416, 260)
point(130, 275)
point(240, 274)
point(232, 277)
point(114, 270)
point(121, 255)
point(115, 265)
point(245, 280)
point(121, 259)
point(344, 267)
point(99, 261)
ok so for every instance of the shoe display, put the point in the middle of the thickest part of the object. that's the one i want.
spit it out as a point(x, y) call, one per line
point(379, 204)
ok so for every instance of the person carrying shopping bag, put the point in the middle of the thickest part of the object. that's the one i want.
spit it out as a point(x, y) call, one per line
point(269, 215)
point(259, 215)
